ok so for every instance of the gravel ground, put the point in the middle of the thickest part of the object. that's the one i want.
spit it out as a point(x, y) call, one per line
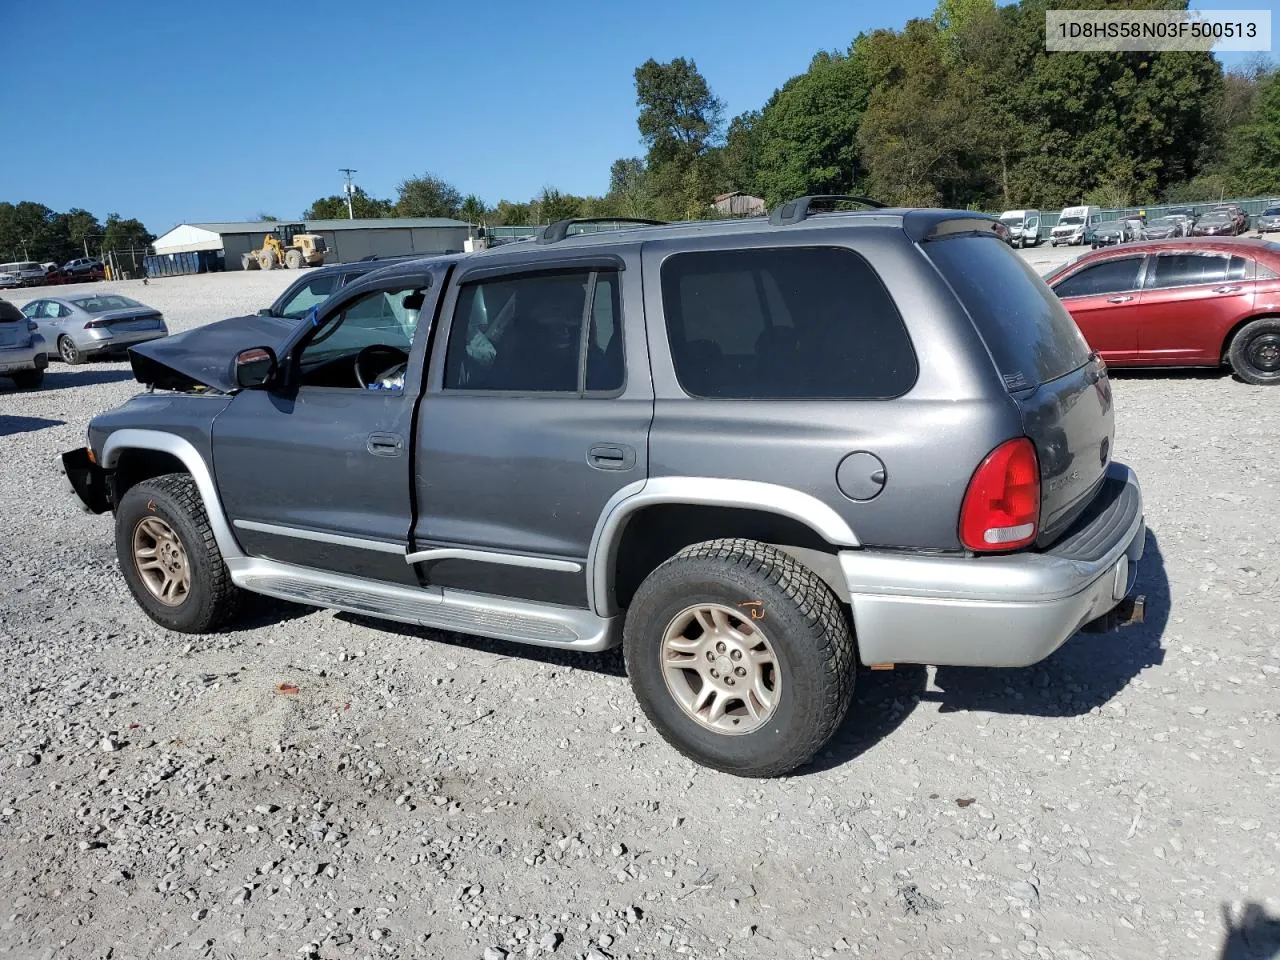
point(431, 795)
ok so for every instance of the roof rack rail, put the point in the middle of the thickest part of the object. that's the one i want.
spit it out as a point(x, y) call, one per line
point(560, 229)
point(793, 211)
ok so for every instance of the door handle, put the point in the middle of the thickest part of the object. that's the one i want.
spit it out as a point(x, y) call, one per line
point(384, 444)
point(1227, 289)
point(1118, 299)
point(611, 456)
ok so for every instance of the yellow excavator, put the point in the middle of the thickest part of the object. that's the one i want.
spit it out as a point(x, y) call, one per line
point(289, 245)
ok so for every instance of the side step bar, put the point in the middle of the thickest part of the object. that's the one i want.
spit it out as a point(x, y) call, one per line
point(521, 621)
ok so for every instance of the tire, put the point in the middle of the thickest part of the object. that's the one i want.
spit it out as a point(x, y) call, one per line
point(268, 260)
point(248, 261)
point(28, 379)
point(774, 602)
point(293, 259)
point(211, 598)
point(69, 352)
point(1255, 352)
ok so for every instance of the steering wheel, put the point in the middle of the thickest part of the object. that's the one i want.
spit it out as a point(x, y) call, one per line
point(395, 355)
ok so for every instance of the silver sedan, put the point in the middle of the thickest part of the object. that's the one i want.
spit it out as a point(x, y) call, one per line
point(84, 325)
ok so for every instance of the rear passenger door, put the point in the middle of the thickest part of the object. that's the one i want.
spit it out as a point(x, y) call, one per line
point(536, 413)
point(1190, 301)
point(1103, 299)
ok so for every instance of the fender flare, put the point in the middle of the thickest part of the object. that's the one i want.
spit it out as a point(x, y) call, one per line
point(699, 491)
point(134, 439)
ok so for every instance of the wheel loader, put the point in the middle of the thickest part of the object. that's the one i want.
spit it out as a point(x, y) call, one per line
point(290, 245)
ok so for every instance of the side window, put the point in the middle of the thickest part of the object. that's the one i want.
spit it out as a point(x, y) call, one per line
point(63, 311)
point(1188, 269)
point(784, 323)
point(32, 309)
point(53, 311)
point(314, 292)
point(1265, 273)
point(378, 318)
point(527, 335)
point(1110, 276)
point(1240, 269)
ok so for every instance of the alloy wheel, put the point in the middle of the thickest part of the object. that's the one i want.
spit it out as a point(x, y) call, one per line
point(161, 561)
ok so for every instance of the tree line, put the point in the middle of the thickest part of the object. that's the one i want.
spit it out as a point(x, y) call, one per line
point(965, 109)
point(32, 231)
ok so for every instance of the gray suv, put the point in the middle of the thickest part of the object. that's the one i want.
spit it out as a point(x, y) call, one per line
point(752, 452)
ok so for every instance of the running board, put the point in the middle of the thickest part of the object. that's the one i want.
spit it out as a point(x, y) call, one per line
point(504, 618)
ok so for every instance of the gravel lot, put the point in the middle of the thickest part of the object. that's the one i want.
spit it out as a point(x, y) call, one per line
point(431, 795)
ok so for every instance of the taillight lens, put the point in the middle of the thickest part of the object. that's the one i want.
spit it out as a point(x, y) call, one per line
point(1001, 509)
point(95, 324)
point(32, 326)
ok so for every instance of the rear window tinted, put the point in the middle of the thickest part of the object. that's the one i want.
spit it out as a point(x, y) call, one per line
point(1188, 269)
point(9, 312)
point(1027, 329)
point(1109, 276)
point(784, 323)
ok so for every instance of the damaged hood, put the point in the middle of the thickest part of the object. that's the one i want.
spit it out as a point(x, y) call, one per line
point(202, 357)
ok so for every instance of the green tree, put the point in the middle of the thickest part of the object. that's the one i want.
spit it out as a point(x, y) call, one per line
point(741, 153)
point(553, 205)
point(509, 213)
point(427, 196)
point(334, 207)
point(679, 115)
point(473, 209)
point(806, 137)
point(629, 189)
point(1254, 158)
point(122, 234)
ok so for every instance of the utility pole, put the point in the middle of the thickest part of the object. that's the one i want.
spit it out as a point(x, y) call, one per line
point(24, 248)
point(348, 188)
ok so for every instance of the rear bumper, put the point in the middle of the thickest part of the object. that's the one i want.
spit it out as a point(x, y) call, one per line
point(118, 342)
point(34, 356)
point(1004, 611)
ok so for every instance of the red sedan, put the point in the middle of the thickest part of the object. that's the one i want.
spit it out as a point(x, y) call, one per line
point(1187, 302)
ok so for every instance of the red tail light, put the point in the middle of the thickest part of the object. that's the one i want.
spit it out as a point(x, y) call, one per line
point(95, 324)
point(1001, 509)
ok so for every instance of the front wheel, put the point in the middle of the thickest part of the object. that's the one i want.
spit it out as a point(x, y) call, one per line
point(169, 557)
point(293, 259)
point(740, 656)
point(1255, 352)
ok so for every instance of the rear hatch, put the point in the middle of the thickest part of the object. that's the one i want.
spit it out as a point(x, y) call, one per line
point(13, 327)
point(1061, 389)
point(130, 320)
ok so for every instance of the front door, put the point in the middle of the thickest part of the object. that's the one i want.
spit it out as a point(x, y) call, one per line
point(1189, 302)
point(535, 415)
point(1103, 298)
point(315, 471)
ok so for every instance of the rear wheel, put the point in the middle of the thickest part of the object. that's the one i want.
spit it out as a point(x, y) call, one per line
point(1255, 352)
point(28, 379)
point(68, 351)
point(740, 656)
point(169, 557)
point(293, 259)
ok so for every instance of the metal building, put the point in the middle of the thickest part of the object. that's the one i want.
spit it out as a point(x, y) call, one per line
point(347, 240)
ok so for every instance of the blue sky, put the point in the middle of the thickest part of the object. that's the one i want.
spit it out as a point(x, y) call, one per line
point(169, 114)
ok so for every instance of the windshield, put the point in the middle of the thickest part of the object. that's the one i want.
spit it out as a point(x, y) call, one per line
point(1214, 218)
point(1070, 221)
point(1271, 212)
point(112, 301)
point(1012, 221)
point(1166, 222)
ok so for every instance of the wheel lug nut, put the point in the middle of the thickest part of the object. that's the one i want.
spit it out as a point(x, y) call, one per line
point(715, 674)
point(720, 647)
point(737, 654)
point(740, 671)
point(710, 655)
point(729, 681)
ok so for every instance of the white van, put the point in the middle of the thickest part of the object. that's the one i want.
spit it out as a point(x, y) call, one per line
point(1075, 225)
point(1023, 227)
point(28, 272)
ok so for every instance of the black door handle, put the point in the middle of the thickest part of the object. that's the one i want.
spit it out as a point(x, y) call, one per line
point(611, 456)
point(384, 444)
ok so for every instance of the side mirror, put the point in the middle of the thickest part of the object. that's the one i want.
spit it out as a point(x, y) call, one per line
point(255, 367)
point(264, 312)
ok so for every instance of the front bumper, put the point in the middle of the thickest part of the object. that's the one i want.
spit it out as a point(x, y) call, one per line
point(999, 611)
point(32, 357)
point(87, 480)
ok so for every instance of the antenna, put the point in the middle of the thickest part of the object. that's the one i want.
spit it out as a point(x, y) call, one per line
point(348, 188)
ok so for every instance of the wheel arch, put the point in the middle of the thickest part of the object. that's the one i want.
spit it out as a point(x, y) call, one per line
point(1225, 353)
point(137, 455)
point(648, 522)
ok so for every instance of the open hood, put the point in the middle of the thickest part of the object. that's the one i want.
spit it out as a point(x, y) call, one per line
point(202, 357)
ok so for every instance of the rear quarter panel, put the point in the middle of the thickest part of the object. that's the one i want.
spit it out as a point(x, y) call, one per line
point(930, 440)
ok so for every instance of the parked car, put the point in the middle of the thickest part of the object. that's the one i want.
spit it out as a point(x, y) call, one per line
point(316, 286)
point(1112, 232)
point(1022, 226)
point(562, 458)
point(9, 280)
point(84, 269)
point(1180, 303)
point(1237, 214)
point(1075, 226)
point(85, 325)
point(22, 350)
point(28, 272)
point(1269, 220)
point(1188, 212)
point(1216, 223)
point(1168, 227)
point(53, 274)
